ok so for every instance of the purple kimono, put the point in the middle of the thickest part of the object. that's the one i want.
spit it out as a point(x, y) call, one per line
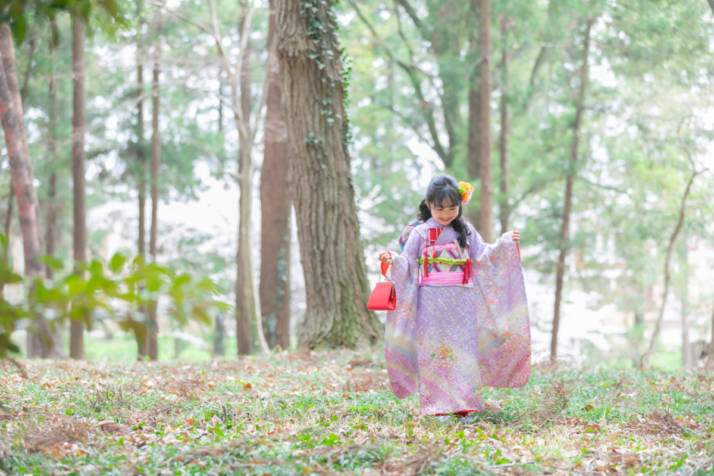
point(457, 327)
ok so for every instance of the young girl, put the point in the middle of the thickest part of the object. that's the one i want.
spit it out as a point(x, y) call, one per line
point(461, 320)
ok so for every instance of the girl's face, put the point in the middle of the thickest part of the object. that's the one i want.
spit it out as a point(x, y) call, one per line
point(443, 213)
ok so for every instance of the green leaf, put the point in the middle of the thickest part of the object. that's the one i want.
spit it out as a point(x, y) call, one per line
point(117, 262)
point(19, 28)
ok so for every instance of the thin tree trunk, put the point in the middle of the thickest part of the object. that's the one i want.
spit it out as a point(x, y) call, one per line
point(473, 142)
point(141, 167)
point(52, 206)
point(248, 325)
point(711, 5)
point(504, 207)
point(322, 192)
point(684, 263)
point(667, 277)
point(152, 344)
point(76, 329)
point(568, 200)
point(486, 203)
point(141, 159)
point(275, 210)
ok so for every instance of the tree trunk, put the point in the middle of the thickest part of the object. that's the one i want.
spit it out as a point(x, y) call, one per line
point(275, 210)
point(151, 336)
point(503, 205)
point(52, 206)
point(667, 277)
point(684, 263)
point(76, 329)
point(473, 141)
point(248, 325)
point(41, 342)
point(141, 166)
point(486, 203)
point(568, 200)
point(141, 159)
point(321, 187)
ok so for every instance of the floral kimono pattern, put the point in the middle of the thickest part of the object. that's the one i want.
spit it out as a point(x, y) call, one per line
point(447, 338)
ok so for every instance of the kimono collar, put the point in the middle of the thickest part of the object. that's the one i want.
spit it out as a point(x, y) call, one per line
point(423, 229)
point(432, 223)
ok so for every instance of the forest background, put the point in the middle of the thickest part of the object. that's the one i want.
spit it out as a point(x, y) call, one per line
point(588, 126)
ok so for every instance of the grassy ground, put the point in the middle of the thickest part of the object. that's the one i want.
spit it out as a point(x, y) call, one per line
point(318, 413)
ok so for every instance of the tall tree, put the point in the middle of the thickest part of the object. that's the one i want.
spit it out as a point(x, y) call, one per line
point(79, 228)
point(247, 315)
point(52, 205)
point(275, 208)
point(563, 244)
point(328, 230)
point(11, 115)
point(139, 148)
point(141, 166)
point(248, 324)
point(152, 343)
point(644, 359)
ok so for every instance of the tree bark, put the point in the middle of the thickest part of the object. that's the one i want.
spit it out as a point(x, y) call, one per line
point(321, 187)
point(52, 206)
point(141, 168)
point(275, 209)
point(503, 205)
point(140, 157)
point(667, 276)
point(686, 350)
point(41, 342)
point(76, 329)
point(151, 336)
point(568, 200)
point(473, 141)
point(247, 315)
point(486, 203)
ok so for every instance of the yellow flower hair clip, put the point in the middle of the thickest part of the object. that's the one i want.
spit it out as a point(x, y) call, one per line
point(465, 189)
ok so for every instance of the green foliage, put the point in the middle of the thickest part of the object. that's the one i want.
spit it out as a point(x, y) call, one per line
point(121, 290)
point(106, 13)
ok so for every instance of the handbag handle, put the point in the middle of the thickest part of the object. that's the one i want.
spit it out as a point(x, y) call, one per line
point(384, 268)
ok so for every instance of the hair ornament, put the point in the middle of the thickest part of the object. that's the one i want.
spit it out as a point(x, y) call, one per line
point(465, 189)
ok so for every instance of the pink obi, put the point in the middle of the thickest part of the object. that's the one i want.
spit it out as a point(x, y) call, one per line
point(443, 265)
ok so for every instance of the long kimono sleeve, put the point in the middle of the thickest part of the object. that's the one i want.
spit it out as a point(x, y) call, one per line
point(400, 349)
point(504, 329)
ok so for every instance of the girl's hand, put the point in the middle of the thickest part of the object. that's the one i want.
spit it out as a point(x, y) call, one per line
point(516, 236)
point(386, 257)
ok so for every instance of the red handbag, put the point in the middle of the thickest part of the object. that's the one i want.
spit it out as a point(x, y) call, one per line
point(384, 296)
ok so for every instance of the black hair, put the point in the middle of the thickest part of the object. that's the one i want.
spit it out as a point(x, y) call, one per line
point(443, 190)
